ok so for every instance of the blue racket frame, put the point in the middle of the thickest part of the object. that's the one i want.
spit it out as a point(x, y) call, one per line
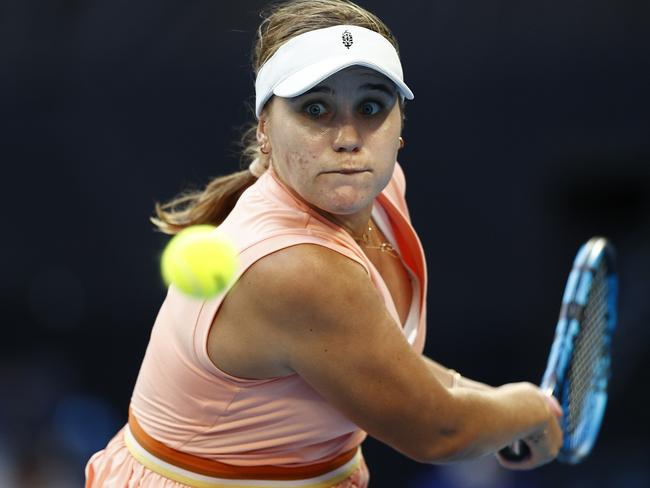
point(578, 444)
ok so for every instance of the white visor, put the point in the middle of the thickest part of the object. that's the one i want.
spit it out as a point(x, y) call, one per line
point(307, 59)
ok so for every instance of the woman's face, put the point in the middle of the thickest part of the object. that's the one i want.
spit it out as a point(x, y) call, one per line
point(335, 145)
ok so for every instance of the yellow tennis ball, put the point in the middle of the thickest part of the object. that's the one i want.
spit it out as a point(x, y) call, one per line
point(199, 261)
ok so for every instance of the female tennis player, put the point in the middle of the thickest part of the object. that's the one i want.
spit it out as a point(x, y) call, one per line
point(277, 381)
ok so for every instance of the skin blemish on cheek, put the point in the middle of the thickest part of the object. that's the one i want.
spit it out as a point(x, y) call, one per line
point(297, 159)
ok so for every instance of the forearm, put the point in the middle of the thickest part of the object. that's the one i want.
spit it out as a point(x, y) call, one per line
point(451, 378)
point(484, 420)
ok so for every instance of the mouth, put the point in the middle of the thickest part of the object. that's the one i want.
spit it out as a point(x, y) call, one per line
point(348, 171)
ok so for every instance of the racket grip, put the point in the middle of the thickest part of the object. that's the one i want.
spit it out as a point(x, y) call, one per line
point(517, 452)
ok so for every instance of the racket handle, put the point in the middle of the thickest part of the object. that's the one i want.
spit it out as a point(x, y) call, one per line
point(516, 452)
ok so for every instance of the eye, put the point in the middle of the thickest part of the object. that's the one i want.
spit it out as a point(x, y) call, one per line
point(370, 108)
point(315, 109)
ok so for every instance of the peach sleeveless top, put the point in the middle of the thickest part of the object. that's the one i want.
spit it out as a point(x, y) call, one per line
point(184, 401)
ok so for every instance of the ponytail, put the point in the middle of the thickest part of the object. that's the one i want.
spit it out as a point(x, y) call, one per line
point(212, 204)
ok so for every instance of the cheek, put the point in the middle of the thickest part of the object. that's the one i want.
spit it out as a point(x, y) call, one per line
point(289, 156)
point(296, 147)
point(299, 165)
point(385, 150)
point(299, 160)
point(392, 133)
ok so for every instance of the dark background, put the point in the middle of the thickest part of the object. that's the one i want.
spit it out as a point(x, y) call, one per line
point(529, 133)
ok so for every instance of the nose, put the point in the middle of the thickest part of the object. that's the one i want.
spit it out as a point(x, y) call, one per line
point(348, 137)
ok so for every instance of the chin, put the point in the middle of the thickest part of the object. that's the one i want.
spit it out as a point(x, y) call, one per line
point(345, 208)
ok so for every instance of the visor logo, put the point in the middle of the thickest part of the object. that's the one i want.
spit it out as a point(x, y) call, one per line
point(347, 39)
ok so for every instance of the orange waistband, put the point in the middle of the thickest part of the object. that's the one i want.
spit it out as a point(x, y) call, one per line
point(210, 467)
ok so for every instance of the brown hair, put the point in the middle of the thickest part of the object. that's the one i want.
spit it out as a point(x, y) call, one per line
point(280, 23)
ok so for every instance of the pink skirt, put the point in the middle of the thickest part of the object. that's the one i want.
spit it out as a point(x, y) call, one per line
point(115, 467)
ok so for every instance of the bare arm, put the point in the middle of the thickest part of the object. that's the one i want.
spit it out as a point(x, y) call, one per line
point(451, 378)
point(537, 443)
point(328, 323)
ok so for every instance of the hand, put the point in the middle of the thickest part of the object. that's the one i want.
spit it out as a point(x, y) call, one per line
point(543, 445)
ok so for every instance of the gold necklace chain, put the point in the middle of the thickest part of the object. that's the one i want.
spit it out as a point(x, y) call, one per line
point(386, 247)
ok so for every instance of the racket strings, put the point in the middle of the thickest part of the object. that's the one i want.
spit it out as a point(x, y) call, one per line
point(589, 345)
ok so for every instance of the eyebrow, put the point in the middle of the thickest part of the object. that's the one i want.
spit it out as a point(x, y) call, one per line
point(380, 87)
point(319, 89)
point(366, 86)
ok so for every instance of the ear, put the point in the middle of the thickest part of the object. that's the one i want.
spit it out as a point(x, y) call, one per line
point(262, 128)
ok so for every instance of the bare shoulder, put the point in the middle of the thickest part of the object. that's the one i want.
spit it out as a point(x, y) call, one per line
point(308, 290)
point(279, 297)
point(305, 278)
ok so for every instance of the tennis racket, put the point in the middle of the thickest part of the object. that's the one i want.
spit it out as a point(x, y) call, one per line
point(578, 368)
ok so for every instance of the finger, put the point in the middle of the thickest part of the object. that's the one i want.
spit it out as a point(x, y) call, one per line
point(554, 405)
